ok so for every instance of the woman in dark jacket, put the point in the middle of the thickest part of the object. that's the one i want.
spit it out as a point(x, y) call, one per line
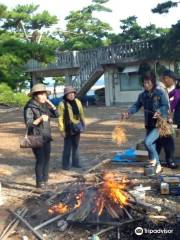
point(37, 114)
point(155, 103)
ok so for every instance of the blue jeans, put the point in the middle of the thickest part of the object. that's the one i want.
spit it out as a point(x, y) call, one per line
point(152, 136)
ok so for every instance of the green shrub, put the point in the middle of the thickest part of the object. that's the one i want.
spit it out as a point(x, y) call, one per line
point(5, 88)
point(7, 96)
point(21, 99)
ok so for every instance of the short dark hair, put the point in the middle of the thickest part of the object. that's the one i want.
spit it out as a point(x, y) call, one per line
point(149, 75)
point(178, 83)
point(170, 74)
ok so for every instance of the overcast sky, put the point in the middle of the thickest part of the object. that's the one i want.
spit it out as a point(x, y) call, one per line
point(121, 9)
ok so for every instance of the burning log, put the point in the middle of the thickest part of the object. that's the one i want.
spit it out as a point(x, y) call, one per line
point(84, 208)
point(113, 190)
point(108, 197)
point(112, 211)
point(52, 197)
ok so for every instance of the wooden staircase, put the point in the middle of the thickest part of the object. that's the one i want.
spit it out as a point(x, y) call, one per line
point(87, 66)
point(89, 73)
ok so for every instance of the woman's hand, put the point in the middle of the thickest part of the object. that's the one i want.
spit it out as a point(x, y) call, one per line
point(170, 121)
point(50, 104)
point(125, 115)
point(38, 121)
point(45, 118)
point(157, 115)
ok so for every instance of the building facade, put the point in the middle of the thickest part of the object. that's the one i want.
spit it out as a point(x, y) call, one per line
point(123, 86)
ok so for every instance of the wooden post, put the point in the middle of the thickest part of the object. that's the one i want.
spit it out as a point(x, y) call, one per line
point(33, 79)
point(68, 80)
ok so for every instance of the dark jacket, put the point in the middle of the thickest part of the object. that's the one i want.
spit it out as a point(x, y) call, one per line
point(152, 102)
point(175, 105)
point(34, 110)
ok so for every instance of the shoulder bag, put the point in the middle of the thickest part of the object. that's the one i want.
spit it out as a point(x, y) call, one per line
point(31, 141)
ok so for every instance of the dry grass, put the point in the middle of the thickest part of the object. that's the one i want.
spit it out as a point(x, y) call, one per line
point(119, 135)
point(164, 128)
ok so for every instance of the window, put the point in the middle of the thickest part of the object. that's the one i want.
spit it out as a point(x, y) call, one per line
point(129, 82)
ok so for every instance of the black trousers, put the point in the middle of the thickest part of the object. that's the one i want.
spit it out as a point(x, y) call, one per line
point(42, 156)
point(71, 146)
point(169, 148)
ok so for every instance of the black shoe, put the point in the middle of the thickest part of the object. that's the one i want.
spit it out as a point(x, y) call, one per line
point(66, 168)
point(40, 185)
point(164, 164)
point(76, 166)
point(172, 165)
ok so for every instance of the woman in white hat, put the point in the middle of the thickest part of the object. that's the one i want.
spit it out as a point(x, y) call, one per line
point(37, 114)
point(71, 124)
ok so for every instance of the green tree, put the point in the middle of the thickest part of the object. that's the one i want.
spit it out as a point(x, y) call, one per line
point(21, 40)
point(169, 45)
point(83, 30)
point(164, 7)
point(131, 31)
point(31, 20)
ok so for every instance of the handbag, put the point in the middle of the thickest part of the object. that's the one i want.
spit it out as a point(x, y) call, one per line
point(31, 141)
point(76, 128)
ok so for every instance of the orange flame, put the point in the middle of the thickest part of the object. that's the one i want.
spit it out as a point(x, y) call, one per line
point(119, 135)
point(79, 199)
point(100, 205)
point(62, 208)
point(59, 208)
point(114, 189)
point(111, 190)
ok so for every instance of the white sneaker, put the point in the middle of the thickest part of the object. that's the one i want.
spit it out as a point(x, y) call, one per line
point(153, 163)
point(158, 169)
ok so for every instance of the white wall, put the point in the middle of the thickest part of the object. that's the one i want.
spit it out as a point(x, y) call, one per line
point(127, 97)
point(113, 95)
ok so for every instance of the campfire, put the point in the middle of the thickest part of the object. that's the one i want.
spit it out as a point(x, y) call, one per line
point(93, 200)
point(105, 200)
